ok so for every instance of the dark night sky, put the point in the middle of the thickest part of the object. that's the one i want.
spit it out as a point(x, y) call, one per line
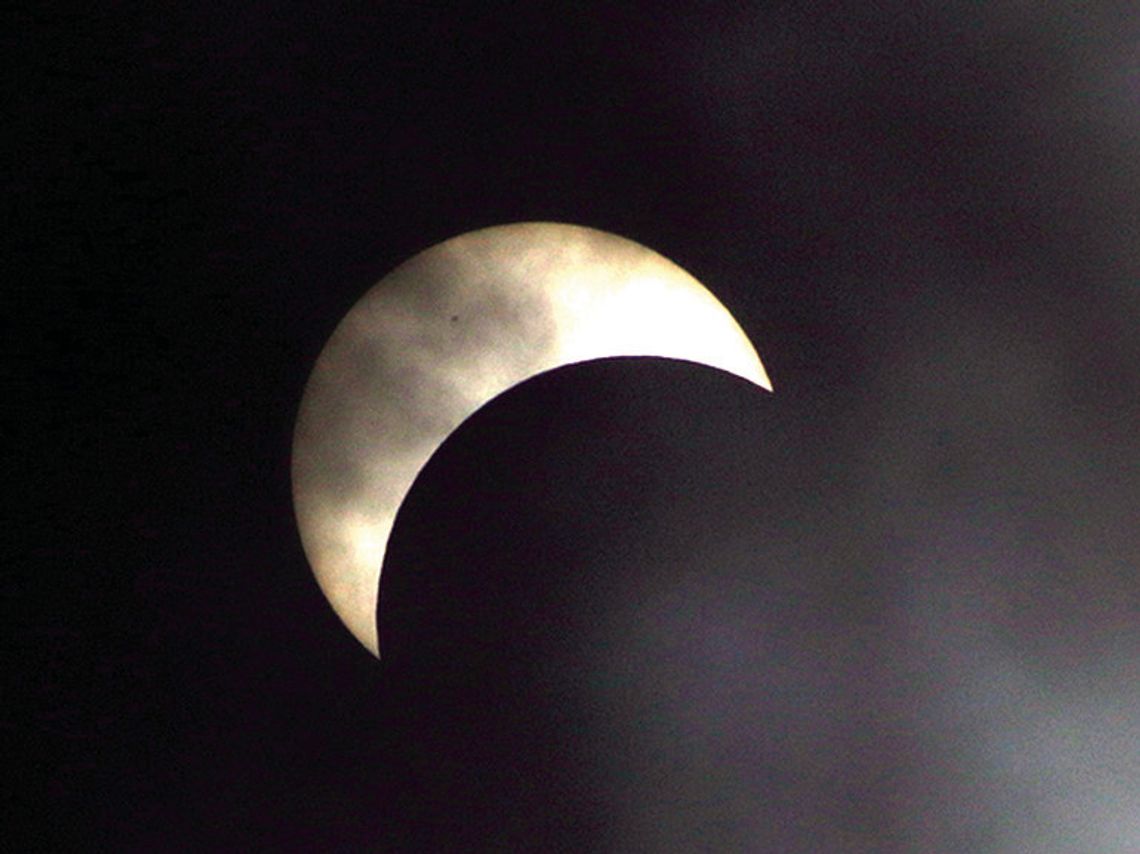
point(893, 606)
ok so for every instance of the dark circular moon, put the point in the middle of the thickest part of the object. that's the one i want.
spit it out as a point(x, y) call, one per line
point(580, 489)
point(616, 610)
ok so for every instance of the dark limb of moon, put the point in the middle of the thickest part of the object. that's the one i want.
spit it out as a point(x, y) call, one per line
point(610, 622)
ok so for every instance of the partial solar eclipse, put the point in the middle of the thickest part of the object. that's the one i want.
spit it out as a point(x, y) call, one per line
point(443, 334)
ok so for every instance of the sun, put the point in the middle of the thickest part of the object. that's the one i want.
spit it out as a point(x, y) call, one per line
point(445, 333)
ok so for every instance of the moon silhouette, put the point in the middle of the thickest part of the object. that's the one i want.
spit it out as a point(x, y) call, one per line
point(446, 332)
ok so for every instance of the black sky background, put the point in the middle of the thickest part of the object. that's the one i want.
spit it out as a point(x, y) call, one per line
point(924, 215)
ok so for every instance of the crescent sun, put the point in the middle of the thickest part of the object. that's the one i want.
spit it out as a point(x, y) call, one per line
point(446, 332)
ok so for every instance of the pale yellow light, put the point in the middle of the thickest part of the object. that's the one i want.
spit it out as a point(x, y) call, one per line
point(445, 333)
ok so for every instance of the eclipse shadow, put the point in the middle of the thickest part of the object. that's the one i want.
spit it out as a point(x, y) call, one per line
point(558, 495)
point(616, 610)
